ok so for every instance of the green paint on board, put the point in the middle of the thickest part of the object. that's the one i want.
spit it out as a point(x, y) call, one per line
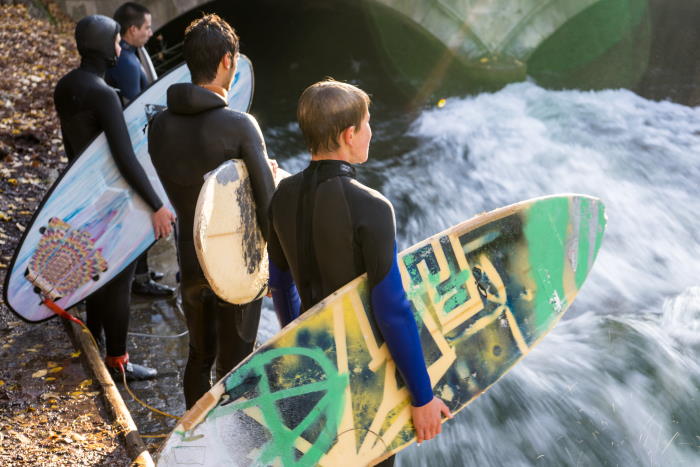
point(602, 221)
point(546, 231)
point(583, 261)
point(282, 443)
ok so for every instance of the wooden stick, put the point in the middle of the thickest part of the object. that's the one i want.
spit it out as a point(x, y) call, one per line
point(134, 445)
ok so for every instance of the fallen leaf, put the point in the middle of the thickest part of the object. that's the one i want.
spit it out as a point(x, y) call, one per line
point(50, 395)
point(51, 364)
point(56, 370)
point(84, 383)
point(49, 378)
point(39, 374)
point(22, 439)
point(75, 354)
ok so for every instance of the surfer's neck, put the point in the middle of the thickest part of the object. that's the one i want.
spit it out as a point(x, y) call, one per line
point(215, 88)
point(94, 65)
point(330, 156)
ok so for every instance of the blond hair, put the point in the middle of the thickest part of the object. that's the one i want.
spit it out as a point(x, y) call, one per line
point(326, 109)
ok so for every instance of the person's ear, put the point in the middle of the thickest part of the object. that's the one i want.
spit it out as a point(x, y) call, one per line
point(347, 135)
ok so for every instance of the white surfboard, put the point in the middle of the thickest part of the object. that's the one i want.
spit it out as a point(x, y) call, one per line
point(230, 247)
point(91, 224)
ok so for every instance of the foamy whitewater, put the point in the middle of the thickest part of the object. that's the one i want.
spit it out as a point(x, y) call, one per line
point(617, 382)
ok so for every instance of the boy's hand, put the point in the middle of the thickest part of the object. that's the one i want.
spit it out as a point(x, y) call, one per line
point(273, 167)
point(427, 420)
point(163, 220)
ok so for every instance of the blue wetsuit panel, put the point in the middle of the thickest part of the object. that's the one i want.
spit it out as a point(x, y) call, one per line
point(394, 316)
point(284, 295)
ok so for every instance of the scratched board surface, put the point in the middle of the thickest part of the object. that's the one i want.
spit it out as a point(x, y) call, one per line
point(325, 391)
point(91, 224)
point(226, 233)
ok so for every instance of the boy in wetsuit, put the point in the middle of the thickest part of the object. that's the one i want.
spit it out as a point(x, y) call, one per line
point(193, 136)
point(327, 229)
point(86, 106)
point(129, 77)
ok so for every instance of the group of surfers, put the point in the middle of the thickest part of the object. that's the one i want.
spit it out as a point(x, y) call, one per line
point(323, 228)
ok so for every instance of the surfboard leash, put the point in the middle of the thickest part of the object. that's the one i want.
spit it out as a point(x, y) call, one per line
point(53, 306)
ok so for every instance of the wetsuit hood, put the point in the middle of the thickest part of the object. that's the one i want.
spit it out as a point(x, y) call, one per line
point(188, 99)
point(94, 36)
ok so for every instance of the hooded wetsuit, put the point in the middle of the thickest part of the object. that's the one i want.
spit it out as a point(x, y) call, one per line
point(327, 229)
point(193, 136)
point(86, 106)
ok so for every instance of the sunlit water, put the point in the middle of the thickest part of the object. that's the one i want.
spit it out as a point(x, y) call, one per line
point(618, 380)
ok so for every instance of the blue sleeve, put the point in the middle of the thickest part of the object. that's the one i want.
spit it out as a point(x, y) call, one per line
point(394, 316)
point(284, 295)
point(126, 75)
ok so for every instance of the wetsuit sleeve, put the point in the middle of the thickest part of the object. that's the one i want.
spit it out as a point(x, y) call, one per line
point(254, 154)
point(109, 111)
point(70, 154)
point(390, 306)
point(285, 296)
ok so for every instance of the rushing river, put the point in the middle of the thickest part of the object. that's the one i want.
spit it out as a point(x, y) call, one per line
point(617, 382)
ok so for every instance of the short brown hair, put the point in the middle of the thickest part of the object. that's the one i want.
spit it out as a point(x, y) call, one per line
point(207, 40)
point(326, 109)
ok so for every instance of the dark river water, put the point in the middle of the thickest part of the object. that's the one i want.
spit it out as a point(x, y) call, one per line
point(618, 380)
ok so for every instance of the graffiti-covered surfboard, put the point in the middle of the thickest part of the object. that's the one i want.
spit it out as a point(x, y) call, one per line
point(227, 238)
point(91, 224)
point(325, 391)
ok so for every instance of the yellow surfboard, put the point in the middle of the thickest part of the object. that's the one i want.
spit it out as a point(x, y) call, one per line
point(325, 391)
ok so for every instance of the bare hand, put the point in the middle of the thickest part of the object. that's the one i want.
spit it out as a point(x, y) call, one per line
point(427, 420)
point(163, 220)
point(273, 167)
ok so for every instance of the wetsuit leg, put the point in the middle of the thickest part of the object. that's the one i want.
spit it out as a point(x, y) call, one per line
point(108, 309)
point(201, 323)
point(236, 330)
point(142, 264)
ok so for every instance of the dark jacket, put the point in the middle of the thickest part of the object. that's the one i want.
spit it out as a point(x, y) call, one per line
point(196, 134)
point(128, 75)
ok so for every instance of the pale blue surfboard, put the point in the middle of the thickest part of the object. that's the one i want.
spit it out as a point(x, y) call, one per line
point(92, 213)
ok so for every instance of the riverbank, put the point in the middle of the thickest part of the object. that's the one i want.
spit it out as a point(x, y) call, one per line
point(51, 407)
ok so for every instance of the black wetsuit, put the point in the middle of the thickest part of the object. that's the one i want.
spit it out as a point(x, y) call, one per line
point(193, 136)
point(328, 229)
point(86, 106)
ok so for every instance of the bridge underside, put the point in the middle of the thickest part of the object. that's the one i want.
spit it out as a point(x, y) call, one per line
point(454, 46)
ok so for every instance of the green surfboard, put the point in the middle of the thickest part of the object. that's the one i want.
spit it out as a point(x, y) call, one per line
point(325, 391)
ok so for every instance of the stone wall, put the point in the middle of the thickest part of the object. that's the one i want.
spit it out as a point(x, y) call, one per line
point(162, 10)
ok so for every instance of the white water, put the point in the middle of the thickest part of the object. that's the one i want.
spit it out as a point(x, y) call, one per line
point(618, 381)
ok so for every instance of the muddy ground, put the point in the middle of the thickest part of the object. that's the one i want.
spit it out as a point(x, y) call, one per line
point(51, 411)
